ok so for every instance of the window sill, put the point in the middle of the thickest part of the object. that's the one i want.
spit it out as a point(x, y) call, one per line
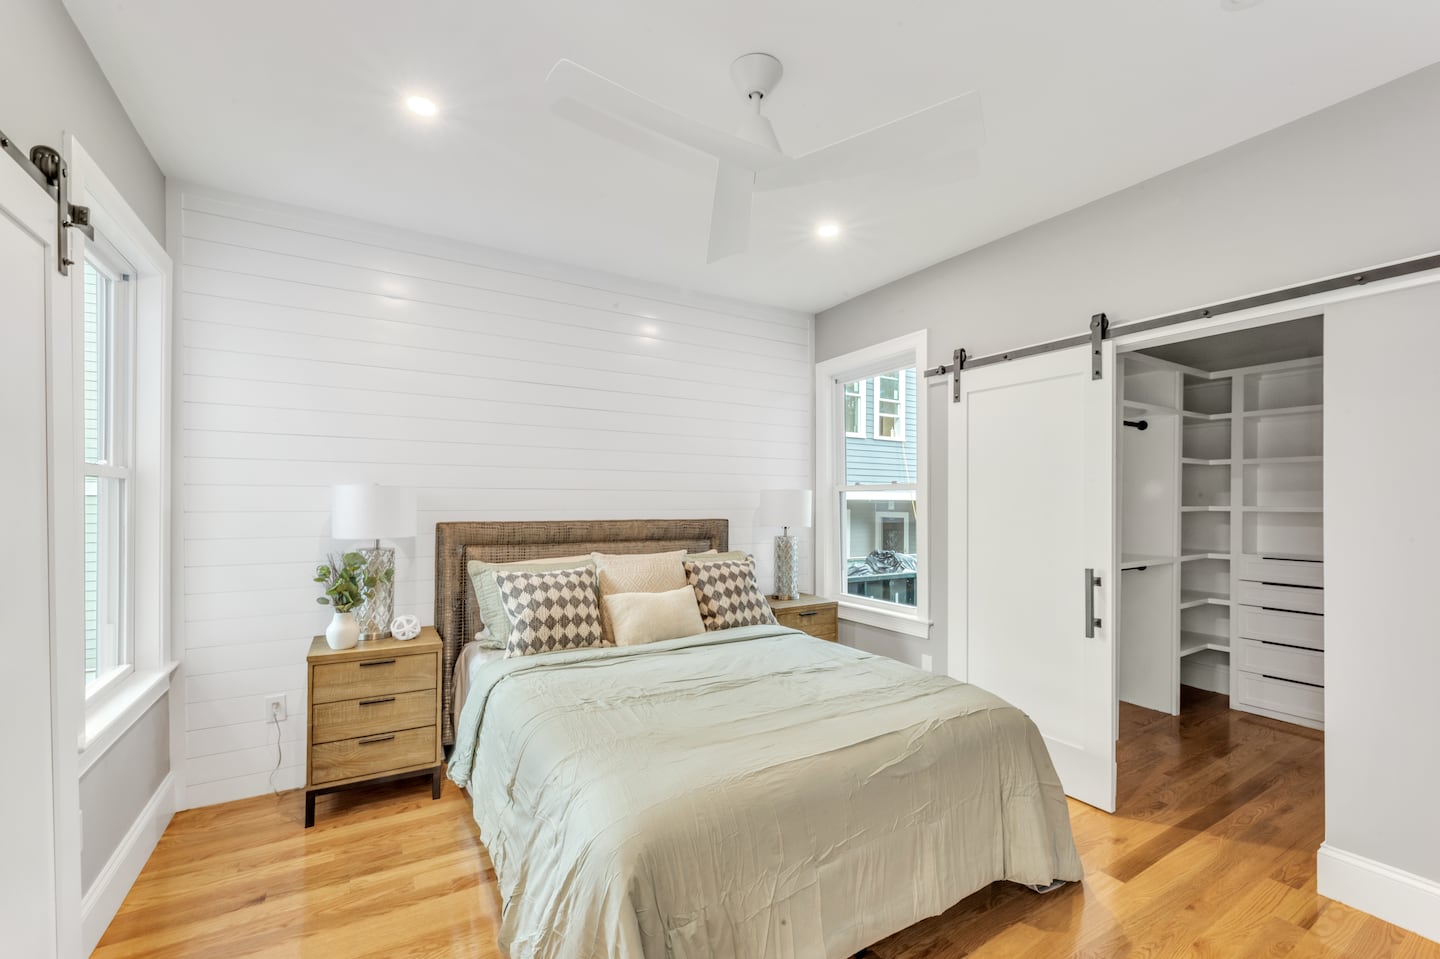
point(907, 624)
point(107, 721)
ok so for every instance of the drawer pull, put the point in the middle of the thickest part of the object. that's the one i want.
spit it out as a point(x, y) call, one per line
point(375, 739)
point(810, 612)
point(377, 702)
point(378, 662)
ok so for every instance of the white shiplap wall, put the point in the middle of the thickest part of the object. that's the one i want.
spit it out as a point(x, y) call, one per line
point(319, 351)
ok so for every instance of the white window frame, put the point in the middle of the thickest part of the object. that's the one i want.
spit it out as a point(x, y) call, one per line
point(107, 713)
point(860, 418)
point(114, 654)
point(909, 351)
point(899, 435)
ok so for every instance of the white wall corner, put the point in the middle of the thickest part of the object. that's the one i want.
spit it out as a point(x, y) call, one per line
point(1405, 899)
point(106, 894)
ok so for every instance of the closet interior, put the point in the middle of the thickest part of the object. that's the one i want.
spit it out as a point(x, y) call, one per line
point(1221, 519)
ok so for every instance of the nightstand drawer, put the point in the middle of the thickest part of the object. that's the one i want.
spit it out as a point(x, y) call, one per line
point(372, 755)
point(353, 718)
point(818, 622)
point(382, 675)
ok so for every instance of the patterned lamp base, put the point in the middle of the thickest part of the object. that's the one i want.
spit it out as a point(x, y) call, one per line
point(378, 609)
point(787, 568)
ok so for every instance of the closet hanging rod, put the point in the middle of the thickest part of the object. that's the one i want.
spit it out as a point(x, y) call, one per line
point(1100, 327)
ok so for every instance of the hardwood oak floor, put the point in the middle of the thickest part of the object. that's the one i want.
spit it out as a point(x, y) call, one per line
point(1211, 855)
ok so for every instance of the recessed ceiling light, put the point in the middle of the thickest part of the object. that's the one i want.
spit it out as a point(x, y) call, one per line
point(828, 230)
point(421, 105)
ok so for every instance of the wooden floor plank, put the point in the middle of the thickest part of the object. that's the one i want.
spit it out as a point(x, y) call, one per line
point(1210, 855)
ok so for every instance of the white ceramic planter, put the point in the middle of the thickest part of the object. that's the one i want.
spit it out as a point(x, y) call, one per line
point(343, 631)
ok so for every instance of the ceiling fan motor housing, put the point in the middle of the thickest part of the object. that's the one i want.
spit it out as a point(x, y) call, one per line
point(756, 74)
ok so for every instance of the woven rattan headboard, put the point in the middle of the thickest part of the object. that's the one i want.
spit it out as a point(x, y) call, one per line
point(457, 543)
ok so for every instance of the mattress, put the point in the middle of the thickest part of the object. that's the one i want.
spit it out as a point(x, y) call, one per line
point(748, 792)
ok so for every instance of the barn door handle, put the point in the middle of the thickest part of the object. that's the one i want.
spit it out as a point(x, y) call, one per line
point(1092, 582)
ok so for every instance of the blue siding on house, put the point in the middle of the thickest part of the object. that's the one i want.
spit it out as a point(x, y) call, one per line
point(870, 460)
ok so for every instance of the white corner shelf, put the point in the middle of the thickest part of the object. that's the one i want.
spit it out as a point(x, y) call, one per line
point(1191, 643)
point(1188, 553)
point(1283, 509)
point(1285, 411)
point(1207, 417)
point(1197, 461)
point(1152, 409)
point(1190, 598)
point(1204, 509)
point(1138, 560)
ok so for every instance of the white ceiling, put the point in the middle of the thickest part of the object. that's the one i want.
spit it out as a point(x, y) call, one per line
point(301, 101)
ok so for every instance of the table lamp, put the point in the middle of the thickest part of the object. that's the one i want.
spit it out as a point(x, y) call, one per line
point(785, 508)
point(369, 512)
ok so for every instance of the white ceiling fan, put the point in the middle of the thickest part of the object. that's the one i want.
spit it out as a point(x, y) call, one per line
point(751, 159)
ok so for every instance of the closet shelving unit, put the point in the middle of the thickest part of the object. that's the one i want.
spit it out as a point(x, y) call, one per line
point(1221, 528)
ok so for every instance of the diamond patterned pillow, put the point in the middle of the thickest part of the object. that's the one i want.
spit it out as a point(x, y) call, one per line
point(728, 595)
point(550, 610)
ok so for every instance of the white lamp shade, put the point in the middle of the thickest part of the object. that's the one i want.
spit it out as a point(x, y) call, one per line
point(785, 507)
point(365, 511)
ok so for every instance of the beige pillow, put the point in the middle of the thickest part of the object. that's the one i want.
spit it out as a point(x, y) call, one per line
point(640, 572)
point(715, 556)
point(638, 618)
point(487, 595)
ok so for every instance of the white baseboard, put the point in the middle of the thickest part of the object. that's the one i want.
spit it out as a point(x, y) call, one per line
point(105, 895)
point(1405, 899)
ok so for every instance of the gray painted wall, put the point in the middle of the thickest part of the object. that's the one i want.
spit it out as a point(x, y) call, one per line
point(117, 787)
point(1351, 186)
point(38, 102)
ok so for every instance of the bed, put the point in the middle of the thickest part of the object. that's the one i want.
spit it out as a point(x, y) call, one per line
point(742, 792)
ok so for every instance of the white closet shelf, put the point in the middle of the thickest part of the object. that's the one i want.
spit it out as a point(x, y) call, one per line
point(1190, 598)
point(1207, 417)
point(1285, 411)
point(1154, 409)
point(1187, 553)
point(1277, 460)
point(1283, 509)
point(1191, 643)
point(1197, 461)
point(1137, 560)
point(1204, 509)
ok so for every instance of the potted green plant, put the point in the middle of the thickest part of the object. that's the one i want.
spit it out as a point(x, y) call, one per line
point(347, 580)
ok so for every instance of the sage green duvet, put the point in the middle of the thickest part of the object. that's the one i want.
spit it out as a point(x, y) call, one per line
point(749, 792)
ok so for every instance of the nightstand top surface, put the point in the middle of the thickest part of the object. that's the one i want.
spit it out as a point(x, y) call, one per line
point(802, 601)
point(427, 641)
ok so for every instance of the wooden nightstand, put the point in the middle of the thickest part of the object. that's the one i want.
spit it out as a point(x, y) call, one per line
point(809, 614)
point(374, 715)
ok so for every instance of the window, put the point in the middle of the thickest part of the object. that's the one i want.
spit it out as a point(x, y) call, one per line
point(855, 408)
point(106, 407)
point(870, 535)
point(890, 404)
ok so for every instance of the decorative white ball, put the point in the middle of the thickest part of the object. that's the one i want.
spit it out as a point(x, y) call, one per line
point(405, 627)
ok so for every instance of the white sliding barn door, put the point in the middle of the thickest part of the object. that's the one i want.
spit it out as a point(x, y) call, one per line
point(1032, 499)
point(30, 873)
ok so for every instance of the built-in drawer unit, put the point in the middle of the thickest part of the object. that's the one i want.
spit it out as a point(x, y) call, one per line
point(1298, 599)
point(1282, 696)
point(1282, 572)
point(378, 675)
point(1306, 630)
point(372, 755)
point(1282, 662)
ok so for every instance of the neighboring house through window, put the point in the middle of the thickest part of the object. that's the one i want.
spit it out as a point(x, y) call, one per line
point(871, 493)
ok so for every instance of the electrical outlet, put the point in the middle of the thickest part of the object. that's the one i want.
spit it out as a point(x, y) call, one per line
point(927, 662)
point(275, 708)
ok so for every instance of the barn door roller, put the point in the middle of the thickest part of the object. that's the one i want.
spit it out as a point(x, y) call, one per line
point(47, 167)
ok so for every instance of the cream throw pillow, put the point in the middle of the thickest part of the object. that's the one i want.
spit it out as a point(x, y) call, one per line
point(639, 618)
point(639, 572)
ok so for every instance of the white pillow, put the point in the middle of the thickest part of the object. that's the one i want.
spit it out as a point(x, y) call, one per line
point(639, 618)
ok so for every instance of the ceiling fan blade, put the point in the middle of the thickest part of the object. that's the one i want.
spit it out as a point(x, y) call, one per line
point(570, 85)
point(952, 125)
point(730, 214)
